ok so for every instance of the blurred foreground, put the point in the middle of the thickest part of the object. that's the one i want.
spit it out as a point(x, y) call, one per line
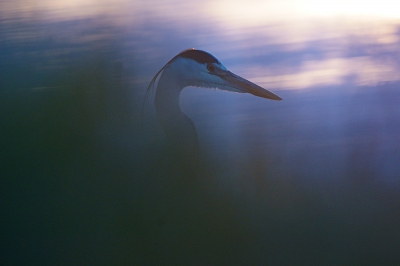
point(311, 180)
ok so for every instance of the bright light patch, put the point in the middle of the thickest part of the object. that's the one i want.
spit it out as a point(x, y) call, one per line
point(363, 71)
point(258, 12)
point(384, 9)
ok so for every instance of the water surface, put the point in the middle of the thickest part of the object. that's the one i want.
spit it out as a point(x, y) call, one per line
point(312, 179)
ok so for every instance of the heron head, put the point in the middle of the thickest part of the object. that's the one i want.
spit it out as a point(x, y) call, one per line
point(198, 68)
point(202, 69)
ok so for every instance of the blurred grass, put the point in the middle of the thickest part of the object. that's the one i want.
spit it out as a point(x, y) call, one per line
point(82, 184)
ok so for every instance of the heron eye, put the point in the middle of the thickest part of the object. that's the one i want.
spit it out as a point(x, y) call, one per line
point(210, 67)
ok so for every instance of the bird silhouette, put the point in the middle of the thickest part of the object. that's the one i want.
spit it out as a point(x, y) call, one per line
point(195, 68)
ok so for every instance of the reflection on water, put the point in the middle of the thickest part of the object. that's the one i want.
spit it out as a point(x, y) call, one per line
point(309, 180)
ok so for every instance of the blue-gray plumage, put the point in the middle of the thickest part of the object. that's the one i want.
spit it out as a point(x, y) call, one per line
point(193, 68)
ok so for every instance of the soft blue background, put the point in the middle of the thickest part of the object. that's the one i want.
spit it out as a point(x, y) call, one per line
point(310, 180)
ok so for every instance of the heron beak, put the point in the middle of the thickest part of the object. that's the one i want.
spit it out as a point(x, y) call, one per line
point(244, 85)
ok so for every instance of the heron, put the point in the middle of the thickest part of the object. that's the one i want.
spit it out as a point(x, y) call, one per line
point(194, 68)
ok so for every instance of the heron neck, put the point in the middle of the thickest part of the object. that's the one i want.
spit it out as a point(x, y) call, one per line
point(178, 128)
